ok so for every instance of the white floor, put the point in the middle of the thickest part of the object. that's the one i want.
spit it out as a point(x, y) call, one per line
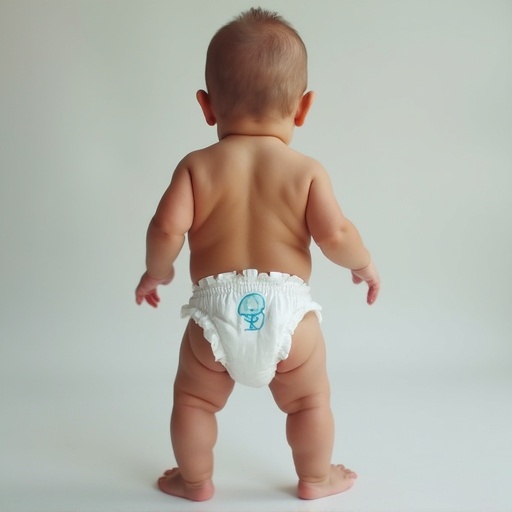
point(421, 443)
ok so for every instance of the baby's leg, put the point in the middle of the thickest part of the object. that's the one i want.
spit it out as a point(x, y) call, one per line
point(301, 389)
point(201, 389)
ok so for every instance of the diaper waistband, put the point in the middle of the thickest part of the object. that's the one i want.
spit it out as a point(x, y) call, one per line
point(249, 278)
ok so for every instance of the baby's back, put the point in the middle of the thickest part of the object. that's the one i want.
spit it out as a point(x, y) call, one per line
point(250, 199)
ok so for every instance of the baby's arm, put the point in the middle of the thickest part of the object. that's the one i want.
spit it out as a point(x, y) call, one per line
point(166, 236)
point(336, 236)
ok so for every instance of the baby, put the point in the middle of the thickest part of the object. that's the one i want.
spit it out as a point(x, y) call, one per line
point(249, 206)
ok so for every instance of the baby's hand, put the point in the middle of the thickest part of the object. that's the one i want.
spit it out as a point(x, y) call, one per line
point(370, 276)
point(147, 289)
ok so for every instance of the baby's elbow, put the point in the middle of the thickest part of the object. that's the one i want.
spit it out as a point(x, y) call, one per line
point(331, 241)
point(156, 226)
point(160, 229)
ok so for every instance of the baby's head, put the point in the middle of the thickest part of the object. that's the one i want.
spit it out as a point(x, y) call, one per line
point(256, 66)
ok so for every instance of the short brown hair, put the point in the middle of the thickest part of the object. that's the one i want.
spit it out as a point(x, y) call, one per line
point(255, 65)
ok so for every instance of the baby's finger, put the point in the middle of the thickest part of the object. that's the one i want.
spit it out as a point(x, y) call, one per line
point(373, 292)
point(151, 301)
point(356, 280)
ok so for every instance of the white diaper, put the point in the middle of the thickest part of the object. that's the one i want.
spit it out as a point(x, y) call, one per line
point(249, 320)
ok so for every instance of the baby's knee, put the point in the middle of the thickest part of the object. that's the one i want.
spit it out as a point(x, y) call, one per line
point(203, 402)
point(291, 402)
point(208, 391)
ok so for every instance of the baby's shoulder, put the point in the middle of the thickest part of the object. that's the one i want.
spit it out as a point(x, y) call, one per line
point(307, 164)
point(197, 161)
point(198, 155)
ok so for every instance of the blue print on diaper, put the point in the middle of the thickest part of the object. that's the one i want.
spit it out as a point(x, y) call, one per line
point(251, 308)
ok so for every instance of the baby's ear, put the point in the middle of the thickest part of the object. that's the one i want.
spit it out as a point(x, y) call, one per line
point(204, 101)
point(304, 105)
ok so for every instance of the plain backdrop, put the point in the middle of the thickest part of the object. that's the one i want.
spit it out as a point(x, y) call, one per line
point(413, 120)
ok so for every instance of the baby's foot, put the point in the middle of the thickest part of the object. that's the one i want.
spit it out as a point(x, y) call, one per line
point(172, 483)
point(340, 479)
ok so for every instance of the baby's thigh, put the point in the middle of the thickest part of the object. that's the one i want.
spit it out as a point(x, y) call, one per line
point(200, 381)
point(303, 374)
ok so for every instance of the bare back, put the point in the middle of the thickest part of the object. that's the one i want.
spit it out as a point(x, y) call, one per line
point(250, 199)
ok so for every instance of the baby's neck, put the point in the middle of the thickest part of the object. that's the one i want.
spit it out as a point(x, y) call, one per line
point(281, 129)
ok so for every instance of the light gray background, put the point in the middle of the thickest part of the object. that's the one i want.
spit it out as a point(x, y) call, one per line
point(413, 120)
